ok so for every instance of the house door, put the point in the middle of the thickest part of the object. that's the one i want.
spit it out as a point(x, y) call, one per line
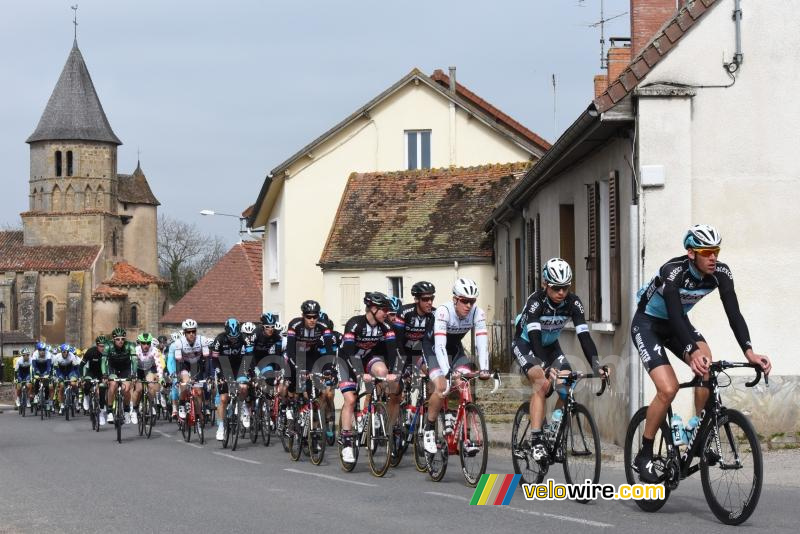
point(351, 297)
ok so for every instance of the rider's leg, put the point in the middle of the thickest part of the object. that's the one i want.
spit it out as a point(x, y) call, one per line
point(701, 394)
point(539, 386)
point(666, 384)
point(437, 397)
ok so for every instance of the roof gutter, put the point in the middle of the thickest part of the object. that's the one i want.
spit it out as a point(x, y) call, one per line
point(583, 125)
point(333, 265)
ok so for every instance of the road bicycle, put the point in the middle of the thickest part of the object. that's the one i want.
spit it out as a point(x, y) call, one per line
point(23, 397)
point(117, 408)
point(309, 430)
point(94, 405)
point(194, 419)
point(148, 413)
point(462, 433)
point(233, 416)
point(409, 427)
point(724, 443)
point(574, 442)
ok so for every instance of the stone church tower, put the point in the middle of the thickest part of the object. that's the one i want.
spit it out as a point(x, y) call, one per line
point(86, 259)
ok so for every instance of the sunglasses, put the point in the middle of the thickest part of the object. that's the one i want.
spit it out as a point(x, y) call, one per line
point(311, 317)
point(426, 299)
point(187, 332)
point(706, 252)
point(119, 339)
point(144, 343)
point(462, 300)
point(559, 288)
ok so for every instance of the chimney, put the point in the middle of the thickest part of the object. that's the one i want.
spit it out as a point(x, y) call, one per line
point(619, 57)
point(452, 80)
point(647, 16)
point(600, 84)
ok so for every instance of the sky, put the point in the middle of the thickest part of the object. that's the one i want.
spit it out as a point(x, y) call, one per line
point(211, 96)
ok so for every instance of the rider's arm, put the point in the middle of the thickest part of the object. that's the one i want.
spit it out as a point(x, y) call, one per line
point(348, 347)
point(582, 329)
point(481, 339)
point(672, 300)
point(390, 340)
point(327, 339)
point(731, 305)
point(440, 338)
point(104, 363)
point(134, 360)
point(291, 341)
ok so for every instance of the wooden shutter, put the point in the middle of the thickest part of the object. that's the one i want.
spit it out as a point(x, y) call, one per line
point(593, 259)
point(614, 247)
point(538, 259)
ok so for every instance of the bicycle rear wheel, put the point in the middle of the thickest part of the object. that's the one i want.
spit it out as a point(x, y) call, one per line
point(473, 444)
point(199, 420)
point(400, 435)
point(297, 434)
point(531, 471)
point(418, 432)
point(285, 424)
point(255, 421)
point(437, 462)
point(67, 400)
point(731, 474)
point(237, 424)
point(317, 439)
point(633, 443)
point(581, 448)
point(379, 442)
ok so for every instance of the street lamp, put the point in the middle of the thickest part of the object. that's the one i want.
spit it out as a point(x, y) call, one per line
point(242, 220)
point(2, 344)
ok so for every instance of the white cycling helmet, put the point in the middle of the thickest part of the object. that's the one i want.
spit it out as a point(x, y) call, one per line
point(189, 324)
point(175, 336)
point(702, 236)
point(248, 328)
point(465, 287)
point(557, 272)
point(278, 327)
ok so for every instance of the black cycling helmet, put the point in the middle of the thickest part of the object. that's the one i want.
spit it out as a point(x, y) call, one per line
point(269, 319)
point(422, 288)
point(101, 340)
point(119, 332)
point(162, 339)
point(376, 298)
point(310, 307)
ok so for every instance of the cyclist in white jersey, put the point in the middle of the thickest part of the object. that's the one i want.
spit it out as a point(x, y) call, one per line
point(150, 368)
point(453, 320)
point(191, 353)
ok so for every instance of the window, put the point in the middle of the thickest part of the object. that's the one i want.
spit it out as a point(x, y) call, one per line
point(396, 286)
point(593, 263)
point(134, 315)
point(603, 261)
point(58, 163)
point(567, 236)
point(48, 312)
point(418, 149)
point(69, 162)
point(614, 268)
point(272, 252)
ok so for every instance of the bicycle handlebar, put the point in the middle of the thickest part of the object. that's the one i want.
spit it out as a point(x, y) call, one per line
point(722, 365)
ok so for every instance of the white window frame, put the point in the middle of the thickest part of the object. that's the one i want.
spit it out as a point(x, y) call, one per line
point(273, 251)
point(390, 280)
point(419, 147)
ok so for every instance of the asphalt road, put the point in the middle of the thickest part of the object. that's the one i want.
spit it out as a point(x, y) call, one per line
point(58, 476)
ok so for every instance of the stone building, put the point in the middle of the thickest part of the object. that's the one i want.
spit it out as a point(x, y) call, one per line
point(86, 258)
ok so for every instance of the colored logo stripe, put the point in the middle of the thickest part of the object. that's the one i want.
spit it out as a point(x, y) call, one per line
point(495, 489)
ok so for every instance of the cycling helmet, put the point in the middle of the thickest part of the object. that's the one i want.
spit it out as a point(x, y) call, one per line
point(101, 340)
point(557, 272)
point(189, 324)
point(25, 352)
point(310, 307)
point(248, 328)
point(40, 346)
point(323, 316)
point(232, 327)
point(465, 287)
point(702, 236)
point(395, 304)
point(162, 339)
point(269, 319)
point(422, 288)
point(119, 332)
point(145, 337)
point(279, 327)
point(376, 298)
point(64, 348)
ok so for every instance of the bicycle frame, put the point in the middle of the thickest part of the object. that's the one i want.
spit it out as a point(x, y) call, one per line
point(464, 390)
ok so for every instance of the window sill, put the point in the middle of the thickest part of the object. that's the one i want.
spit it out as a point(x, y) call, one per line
point(274, 281)
point(603, 328)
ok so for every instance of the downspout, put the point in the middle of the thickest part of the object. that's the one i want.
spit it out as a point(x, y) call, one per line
point(635, 368)
point(453, 117)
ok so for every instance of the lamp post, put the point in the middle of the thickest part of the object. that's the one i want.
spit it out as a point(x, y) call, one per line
point(242, 228)
point(2, 344)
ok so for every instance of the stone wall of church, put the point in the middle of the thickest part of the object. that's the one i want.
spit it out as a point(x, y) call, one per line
point(149, 301)
point(53, 297)
point(105, 313)
point(140, 236)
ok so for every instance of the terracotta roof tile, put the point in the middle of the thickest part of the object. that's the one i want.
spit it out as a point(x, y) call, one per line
point(662, 42)
point(15, 256)
point(104, 291)
point(232, 288)
point(443, 79)
point(126, 275)
point(412, 217)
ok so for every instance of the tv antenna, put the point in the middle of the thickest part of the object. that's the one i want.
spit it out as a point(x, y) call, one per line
point(601, 24)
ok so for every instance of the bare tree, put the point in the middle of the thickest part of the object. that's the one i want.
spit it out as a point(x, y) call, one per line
point(185, 254)
point(8, 226)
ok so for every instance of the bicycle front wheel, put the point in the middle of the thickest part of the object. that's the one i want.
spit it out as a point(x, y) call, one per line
point(379, 443)
point(317, 440)
point(199, 420)
point(473, 444)
point(437, 463)
point(733, 471)
point(633, 443)
point(580, 445)
point(236, 424)
point(255, 422)
point(296, 436)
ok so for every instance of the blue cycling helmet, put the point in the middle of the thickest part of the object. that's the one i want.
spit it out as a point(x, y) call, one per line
point(64, 347)
point(232, 327)
point(40, 346)
point(269, 319)
point(395, 304)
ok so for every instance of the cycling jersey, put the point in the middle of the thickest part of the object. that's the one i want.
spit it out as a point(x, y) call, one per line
point(677, 287)
point(149, 362)
point(368, 343)
point(120, 361)
point(539, 326)
point(265, 345)
point(308, 340)
point(41, 366)
point(66, 366)
point(192, 356)
point(449, 329)
point(22, 369)
point(92, 363)
point(233, 350)
point(412, 334)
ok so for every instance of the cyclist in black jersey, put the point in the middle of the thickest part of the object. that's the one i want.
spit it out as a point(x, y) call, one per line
point(120, 361)
point(228, 352)
point(661, 322)
point(536, 345)
point(305, 335)
point(92, 370)
point(368, 346)
point(416, 319)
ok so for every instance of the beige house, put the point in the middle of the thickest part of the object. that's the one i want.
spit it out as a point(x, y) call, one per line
point(677, 138)
point(420, 122)
point(85, 260)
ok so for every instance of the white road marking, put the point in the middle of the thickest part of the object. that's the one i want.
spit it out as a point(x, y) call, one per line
point(163, 433)
point(232, 457)
point(529, 512)
point(189, 444)
point(329, 477)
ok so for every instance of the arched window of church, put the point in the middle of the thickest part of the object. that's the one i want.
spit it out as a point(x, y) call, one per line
point(58, 163)
point(101, 198)
point(69, 199)
point(69, 162)
point(88, 199)
point(48, 312)
point(55, 201)
point(134, 315)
